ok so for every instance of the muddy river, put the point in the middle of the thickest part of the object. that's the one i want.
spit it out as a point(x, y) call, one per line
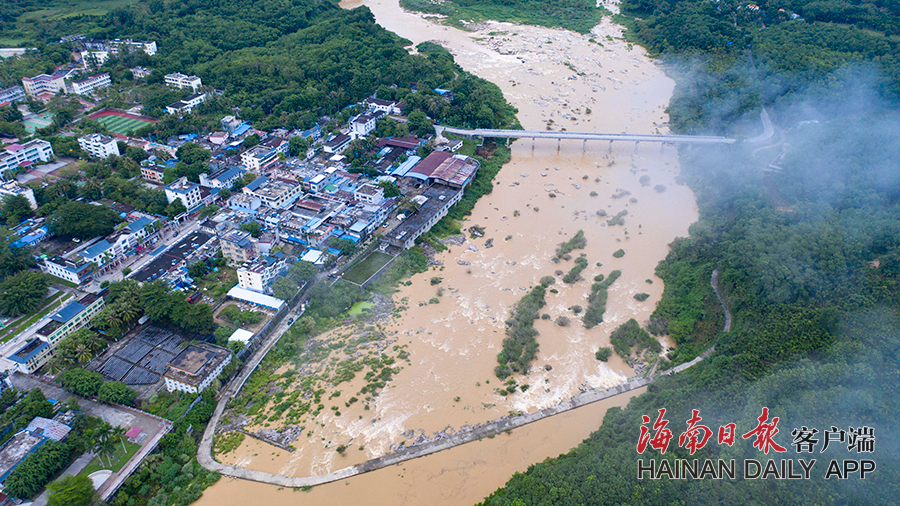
point(556, 79)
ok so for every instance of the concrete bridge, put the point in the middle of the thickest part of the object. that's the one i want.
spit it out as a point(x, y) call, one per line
point(584, 136)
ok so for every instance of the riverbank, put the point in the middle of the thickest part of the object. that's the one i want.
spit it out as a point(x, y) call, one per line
point(557, 79)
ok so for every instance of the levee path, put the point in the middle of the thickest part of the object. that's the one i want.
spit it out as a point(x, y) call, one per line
point(506, 423)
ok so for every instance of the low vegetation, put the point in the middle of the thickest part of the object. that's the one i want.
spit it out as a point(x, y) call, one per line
point(520, 345)
point(593, 315)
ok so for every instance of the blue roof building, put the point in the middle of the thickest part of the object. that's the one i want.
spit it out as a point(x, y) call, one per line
point(67, 313)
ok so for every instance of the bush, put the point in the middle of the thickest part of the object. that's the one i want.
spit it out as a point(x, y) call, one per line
point(575, 274)
point(117, 392)
point(436, 280)
point(562, 321)
point(603, 353)
point(576, 242)
point(619, 253)
point(576, 309)
point(547, 281)
point(630, 335)
point(641, 296)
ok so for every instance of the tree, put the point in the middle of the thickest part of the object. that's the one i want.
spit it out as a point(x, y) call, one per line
point(81, 382)
point(284, 288)
point(298, 146)
point(253, 227)
point(83, 221)
point(12, 259)
point(117, 392)
point(390, 189)
point(175, 208)
point(74, 490)
point(32, 473)
point(344, 246)
point(418, 123)
point(224, 194)
point(14, 209)
point(22, 292)
point(208, 211)
point(302, 272)
point(251, 140)
point(197, 269)
point(191, 153)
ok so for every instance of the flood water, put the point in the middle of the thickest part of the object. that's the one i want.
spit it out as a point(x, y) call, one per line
point(453, 344)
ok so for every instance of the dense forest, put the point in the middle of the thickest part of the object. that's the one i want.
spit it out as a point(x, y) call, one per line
point(282, 63)
point(804, 231)
point(576, 15)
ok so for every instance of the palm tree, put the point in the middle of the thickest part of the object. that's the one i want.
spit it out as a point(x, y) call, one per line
point(58, 364)
point(83, 353)
point(119, 432)
point(103, 443)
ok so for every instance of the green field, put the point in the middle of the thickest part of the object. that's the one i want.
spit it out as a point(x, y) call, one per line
point(361, 272)
point(359, 308)
point(118, 459)
point(58, 9)
point(120, 125)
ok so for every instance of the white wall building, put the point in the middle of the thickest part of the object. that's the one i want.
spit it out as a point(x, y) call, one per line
point(187, 105)
point(185, 191)
point(257, 157)
point(101, 146)
point(256, 276)
point(90, 84)
point(14, 188)
point(94, 58)
point(196, 367)
point(180, 80)
point(369, 193)
point(16, 155)
point(362, 125)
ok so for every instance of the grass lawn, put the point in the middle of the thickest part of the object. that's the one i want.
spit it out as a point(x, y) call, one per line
point(368, 266)
point(119, 458)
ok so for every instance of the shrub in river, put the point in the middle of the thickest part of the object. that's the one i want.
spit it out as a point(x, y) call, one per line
point(547, 281)
point(593, 315)
point(603, 353)
point(520, 346)
point(641, 296)
point(576, 309)
point(576, 242)
point(562, 321)
point(575, 274)
point(630, 335)
point(619, 253)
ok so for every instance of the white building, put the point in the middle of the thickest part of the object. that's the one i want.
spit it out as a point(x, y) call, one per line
point(45, 84)
point(258, 157)
point(14, 188)
point(369, 193)
point(276, 194)
point(90, 84)
point(259, 274)
point(180, 80)
point(185, 191)
point(187, 105)
point(118, 45)
point(94, 58)
point(196, 367)
point(13, 94)
point(98, 145)
point(19, 155)
point(75, 270)
point(140, 72)
point(362, 125)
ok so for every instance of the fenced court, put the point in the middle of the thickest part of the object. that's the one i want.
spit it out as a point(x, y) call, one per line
point(121, 122)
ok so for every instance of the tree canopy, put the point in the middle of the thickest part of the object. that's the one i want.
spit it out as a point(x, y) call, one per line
point(83, 221)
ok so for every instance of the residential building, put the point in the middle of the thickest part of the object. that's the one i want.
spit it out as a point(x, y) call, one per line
point(369, 193)
point(127, 45)
point(140, 72)
point(259, 157)
point(45, 84)
point(386, 106)
point(196, 367)
point(337, 143)
point(180, 80)
point(278, 143)
point(276, 194)
point(94, 58)
point(433, 203)
point(90, 84)
point(185, 191)
point(230, 124)
point(76, 270)
point(245, 202)
point(259, 274)
point(100, 253)
point(99, 145)
point(14, 451)
point(187, 105)
point(10, 95)
point(153, 173)
point(222, 178)
point(30, 357)
point(23, 155)
point(362, 125)
point(238, 246)
point(14, 188)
